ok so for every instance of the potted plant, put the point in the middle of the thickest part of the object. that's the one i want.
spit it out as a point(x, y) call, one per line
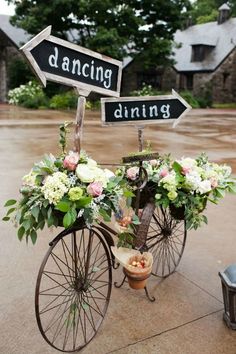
point(137, 266)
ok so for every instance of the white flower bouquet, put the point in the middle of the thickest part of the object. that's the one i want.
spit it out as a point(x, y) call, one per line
point(183, 185)
point(63, 190)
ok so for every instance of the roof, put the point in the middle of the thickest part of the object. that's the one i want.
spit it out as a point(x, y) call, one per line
point(222, 37)
point(17, 35)
point(224, 7)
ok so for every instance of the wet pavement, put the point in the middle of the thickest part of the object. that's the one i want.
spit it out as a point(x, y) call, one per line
point(187, 316)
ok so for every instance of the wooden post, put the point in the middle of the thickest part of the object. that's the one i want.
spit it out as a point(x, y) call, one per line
point(140, 137)
point(79, 119)
point(79, 123)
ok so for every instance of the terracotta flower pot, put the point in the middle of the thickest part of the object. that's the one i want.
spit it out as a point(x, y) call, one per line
point(137, 280)
point(138, 270)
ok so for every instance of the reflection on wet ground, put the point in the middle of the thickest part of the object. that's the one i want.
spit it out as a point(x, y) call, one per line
point(28, 134)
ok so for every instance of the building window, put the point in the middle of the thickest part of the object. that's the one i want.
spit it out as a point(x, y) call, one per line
point(198, 52)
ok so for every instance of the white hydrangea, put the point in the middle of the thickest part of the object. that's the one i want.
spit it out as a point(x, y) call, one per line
point(192, 180)
point(55, 187)
point(169, 182)
point(29, 179)
point(187, 162)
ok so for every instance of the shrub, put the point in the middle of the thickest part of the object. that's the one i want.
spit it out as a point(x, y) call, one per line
point(67, 100)
point(29, 95)
point(146, 90)
point(192, 101)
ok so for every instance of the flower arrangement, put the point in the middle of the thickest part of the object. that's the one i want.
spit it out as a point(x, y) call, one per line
point(29, 95)
point(182, 185)
point(61, 190)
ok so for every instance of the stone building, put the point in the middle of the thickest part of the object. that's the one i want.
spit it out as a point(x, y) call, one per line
point(11, 38)
point(205, 61)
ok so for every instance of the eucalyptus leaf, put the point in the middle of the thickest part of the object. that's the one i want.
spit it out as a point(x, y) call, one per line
point(10, 211)
point(20, 233)
point(33, 236)
point(10, 202)
point(35, 212)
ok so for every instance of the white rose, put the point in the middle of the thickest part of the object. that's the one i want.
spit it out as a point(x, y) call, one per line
point(204, 187)
point(85, 173)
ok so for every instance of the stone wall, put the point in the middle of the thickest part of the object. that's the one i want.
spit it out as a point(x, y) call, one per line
point(8, 52)
point(224, 80)
point(169, 80)
point(220, 85)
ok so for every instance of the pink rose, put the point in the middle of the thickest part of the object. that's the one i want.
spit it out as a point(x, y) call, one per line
point(185, 170)
point(132, 173)
point(164, 172)
point(70, 162)
point(95, 189)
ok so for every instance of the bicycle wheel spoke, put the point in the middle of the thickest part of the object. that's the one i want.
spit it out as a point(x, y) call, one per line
point(54, 287)
point(51, 324)
point(166, 240)
point(57, 296)
point(73, 289)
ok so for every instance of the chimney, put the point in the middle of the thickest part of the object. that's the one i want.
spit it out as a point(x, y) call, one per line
point(224, 12)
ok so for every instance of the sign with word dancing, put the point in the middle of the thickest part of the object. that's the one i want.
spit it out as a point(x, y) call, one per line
point(57, 60)
point(143, 109)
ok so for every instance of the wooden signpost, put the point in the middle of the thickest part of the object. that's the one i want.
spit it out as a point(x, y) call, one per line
point(143, 110)
point(57, 60)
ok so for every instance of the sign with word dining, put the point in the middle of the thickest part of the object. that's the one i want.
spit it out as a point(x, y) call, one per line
point(143, 109)
point(57, 60)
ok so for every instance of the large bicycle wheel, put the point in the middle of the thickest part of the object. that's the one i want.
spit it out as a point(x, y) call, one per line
point(73, 289)
point(166, 239)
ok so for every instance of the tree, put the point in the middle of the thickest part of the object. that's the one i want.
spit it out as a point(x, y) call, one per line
point(116, 28)
point(207, 10)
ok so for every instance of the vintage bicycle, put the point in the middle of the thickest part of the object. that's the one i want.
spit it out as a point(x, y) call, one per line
point(74, 282)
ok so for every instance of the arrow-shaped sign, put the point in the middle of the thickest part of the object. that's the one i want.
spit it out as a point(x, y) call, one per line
point(60, 61)
point(143, 109)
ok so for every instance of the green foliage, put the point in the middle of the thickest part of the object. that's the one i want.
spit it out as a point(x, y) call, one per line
point(29, 95)
point(112, 27)
point(188, 96)
point(224, 105)
point(66, 100)
point(208, 18)
point(204, 11)
point(63, 135)
point(146, 90)
point(18, 72)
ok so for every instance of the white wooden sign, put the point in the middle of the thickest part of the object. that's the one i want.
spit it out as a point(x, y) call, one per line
point(143, 109)
point(57, 60)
